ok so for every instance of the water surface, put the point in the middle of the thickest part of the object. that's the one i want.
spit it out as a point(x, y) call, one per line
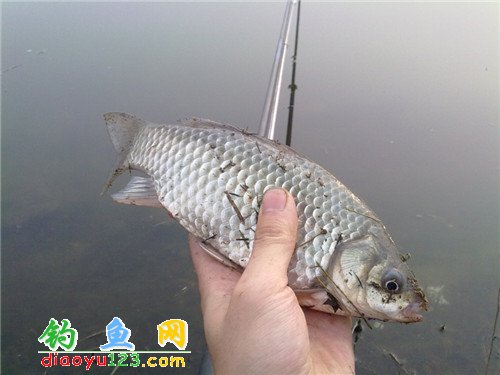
point(399, 101)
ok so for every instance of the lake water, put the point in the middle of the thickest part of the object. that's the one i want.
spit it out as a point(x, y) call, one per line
point(399, 101)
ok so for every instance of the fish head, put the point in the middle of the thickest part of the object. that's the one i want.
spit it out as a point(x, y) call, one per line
point(369, 279)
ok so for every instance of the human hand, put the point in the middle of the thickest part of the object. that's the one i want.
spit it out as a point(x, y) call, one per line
point(253, 322)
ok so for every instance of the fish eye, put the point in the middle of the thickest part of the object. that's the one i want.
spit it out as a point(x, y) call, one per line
point(393, 281)
point(392, 286)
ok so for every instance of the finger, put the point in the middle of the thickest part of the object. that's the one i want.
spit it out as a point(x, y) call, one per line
point(215, 281)
point(275, 237)
point(331, 340)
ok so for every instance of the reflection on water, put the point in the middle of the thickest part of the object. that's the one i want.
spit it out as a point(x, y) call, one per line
point(405, 113)
point(89, 266)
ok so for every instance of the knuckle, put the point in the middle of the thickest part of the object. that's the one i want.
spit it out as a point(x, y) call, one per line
point(275, 232)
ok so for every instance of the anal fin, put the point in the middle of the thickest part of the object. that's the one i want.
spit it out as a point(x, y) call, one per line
point(139, 191)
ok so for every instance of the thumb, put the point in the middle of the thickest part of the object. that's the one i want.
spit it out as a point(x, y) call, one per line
point(275, 238)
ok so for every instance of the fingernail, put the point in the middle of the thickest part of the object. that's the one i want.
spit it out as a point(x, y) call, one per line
point(274, 200)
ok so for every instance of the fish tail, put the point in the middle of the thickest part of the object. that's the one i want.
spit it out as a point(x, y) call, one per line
point(122, 129)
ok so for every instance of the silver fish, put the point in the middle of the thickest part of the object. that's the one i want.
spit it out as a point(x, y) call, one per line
point(211, 178)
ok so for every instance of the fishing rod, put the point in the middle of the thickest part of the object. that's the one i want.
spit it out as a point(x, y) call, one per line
point(293, 86)
point(268, 120)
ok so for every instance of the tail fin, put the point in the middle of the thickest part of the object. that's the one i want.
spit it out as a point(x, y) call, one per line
point(122, 129)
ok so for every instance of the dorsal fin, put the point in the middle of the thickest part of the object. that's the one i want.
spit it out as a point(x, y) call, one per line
point(203, 123)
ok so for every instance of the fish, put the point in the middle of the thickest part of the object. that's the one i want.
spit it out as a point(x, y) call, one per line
point(211, 178)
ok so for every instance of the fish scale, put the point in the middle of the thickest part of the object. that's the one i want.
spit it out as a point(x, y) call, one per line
point(211, 178)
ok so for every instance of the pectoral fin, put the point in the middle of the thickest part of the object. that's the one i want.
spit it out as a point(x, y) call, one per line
point(318, 299)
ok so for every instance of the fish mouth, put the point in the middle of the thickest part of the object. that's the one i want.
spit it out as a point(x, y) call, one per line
point(418, 304)
point(411, 312)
